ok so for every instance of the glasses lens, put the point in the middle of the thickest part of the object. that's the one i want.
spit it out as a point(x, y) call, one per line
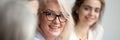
point(50, 15)
point(62, 18)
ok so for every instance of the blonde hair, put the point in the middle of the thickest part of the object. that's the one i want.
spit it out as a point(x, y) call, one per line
point(69, 28)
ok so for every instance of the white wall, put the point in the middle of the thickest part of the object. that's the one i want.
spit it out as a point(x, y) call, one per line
point(111, 20)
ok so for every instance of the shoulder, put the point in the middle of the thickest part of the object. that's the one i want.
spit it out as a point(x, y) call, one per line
point(98, 32)
point(38, 36)
point(98, 29)
point(73, 36)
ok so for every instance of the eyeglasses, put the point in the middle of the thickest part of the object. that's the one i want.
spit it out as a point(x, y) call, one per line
point(52, 16)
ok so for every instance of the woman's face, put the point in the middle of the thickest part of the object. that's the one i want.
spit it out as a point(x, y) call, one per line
point(89, 12)
point(49, 26)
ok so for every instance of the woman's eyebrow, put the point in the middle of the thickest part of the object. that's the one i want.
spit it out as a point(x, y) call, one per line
point(85, 5)
point(32, 0)
point(53, 11)
point(49, 10)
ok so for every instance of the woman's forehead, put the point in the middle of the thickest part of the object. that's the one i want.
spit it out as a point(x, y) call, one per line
point(53, 6)
point(93, 3)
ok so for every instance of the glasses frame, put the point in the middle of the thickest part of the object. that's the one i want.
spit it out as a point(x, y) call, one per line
point(53, 13)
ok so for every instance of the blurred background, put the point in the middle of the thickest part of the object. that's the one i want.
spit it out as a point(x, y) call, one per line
point(111, 20)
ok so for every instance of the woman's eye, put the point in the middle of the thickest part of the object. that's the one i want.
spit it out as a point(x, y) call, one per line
point(86, 8)
point(97, 10)
point(48, 13)
point(61, 15)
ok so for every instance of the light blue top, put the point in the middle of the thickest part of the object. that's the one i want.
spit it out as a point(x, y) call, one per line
point(38, 36)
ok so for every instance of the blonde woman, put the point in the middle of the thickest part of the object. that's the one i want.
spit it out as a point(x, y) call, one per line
point(51, 20)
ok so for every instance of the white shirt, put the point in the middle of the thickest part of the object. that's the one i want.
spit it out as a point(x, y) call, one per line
point(95, 34)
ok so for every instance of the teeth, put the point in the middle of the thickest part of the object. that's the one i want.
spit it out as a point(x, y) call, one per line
point(53, 27)
point(90, 18)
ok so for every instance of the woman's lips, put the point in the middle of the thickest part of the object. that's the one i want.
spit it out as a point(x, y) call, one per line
point(89, 18)
point(54, 27)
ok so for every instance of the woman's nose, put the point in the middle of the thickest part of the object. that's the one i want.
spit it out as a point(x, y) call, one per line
point(56, 21)
point(91, 13)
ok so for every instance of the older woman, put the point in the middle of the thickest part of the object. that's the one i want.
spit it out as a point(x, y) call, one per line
point(51, 20)
point(87, 15)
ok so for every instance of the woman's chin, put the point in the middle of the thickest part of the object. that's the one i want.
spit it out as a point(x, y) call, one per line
point(55, 34)
point(89, 23)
